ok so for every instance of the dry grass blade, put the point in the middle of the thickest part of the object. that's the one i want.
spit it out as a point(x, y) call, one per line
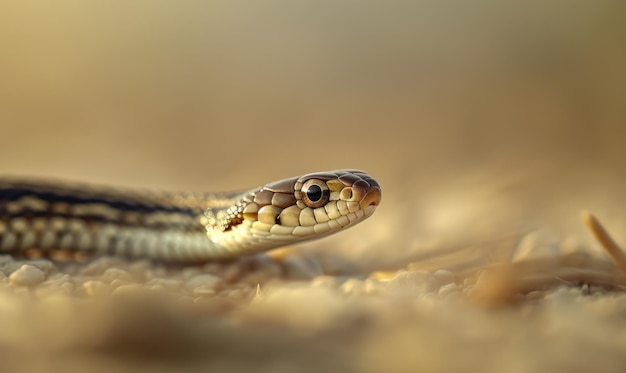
point(614, 251)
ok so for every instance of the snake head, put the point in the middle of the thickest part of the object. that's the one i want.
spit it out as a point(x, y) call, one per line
point(295, 209)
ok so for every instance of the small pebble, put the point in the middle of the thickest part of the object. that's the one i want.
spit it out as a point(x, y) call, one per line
point(100, 265)
point(329, 282)
point(468, 282)
point(93, 288)
point(204, 280)
point(416, 282)
point(448, 289)
point(43, 265)
point(139, 268)
point(190, 272)
point(63, 289)
point(129, 289)
point(58, 279)
point(352, 286)
point(27, 275)
point(117, 283)
point(171, 284)
point(372, 286)
point(112, 274)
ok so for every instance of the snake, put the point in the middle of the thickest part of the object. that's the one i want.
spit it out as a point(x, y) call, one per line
point(72, 220)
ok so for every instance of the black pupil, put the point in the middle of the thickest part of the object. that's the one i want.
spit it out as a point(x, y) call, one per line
point(314, 193)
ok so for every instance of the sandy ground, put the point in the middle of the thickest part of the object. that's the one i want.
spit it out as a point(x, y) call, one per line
point(489, 126)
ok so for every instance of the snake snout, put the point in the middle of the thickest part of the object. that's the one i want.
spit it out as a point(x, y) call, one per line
point(372, 197)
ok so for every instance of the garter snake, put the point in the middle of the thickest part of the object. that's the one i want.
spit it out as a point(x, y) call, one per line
point(70, 220)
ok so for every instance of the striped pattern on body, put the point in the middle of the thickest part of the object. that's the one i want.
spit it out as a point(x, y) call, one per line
point(68, 220)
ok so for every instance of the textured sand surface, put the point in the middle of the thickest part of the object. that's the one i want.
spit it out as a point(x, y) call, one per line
point(526, 314)
point(489, 127)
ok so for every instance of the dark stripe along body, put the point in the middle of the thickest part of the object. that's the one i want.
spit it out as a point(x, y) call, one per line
point(59, 219)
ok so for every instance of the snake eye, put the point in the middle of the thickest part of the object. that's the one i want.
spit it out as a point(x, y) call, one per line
point(315, 193)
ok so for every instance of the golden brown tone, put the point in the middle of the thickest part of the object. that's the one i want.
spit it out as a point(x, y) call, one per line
point(491, 125)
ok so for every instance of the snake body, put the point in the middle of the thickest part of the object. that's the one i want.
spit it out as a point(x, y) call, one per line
point(69, 220)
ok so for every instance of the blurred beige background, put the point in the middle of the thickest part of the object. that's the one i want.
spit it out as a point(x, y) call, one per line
point(480, 119)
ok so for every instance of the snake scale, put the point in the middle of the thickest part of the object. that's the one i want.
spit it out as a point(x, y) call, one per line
point(71, 221)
